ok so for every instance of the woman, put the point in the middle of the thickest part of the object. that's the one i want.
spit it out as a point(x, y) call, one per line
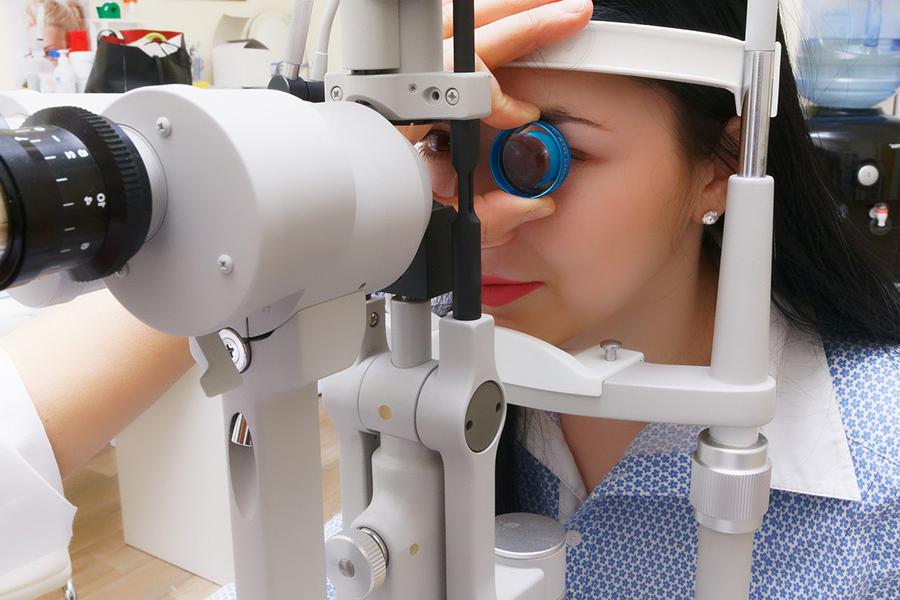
point(59, 18)
point(622, 251)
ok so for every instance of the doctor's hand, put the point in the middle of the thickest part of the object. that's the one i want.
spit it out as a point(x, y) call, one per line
point(509, 29)
point(505, 31)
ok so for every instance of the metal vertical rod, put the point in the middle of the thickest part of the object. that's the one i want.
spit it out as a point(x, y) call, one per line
point(465, 150)
point(755, 120)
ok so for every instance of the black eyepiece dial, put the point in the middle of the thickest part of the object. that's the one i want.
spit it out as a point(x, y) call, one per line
point(74, 196)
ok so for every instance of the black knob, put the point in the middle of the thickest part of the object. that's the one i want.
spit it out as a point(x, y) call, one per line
point(76, 197)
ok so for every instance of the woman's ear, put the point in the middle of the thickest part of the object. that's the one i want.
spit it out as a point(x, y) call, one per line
point(716, 172)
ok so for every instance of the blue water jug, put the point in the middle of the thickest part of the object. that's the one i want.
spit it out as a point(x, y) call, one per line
point(849, 56)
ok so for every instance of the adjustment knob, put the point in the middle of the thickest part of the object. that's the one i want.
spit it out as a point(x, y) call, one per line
point(867, 175)
point(356, 562)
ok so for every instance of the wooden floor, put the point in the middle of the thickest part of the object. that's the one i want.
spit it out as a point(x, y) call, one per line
point(104, 568)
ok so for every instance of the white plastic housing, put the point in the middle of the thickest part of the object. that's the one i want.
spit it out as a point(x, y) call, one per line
point(657, 53)
point(307, 202)
point(407, 511)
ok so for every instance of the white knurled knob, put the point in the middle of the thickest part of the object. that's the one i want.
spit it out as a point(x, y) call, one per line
point(356, 563)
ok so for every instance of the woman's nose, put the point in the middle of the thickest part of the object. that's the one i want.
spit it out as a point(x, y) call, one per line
point(501, 214)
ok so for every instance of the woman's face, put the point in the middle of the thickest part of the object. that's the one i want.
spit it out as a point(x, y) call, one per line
point(621, 227)
point(54, 38)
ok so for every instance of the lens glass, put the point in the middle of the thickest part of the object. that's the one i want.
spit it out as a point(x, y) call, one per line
point(530, 161)
point(526, 162)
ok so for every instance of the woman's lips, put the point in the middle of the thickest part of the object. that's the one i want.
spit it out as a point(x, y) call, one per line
point(496, 291)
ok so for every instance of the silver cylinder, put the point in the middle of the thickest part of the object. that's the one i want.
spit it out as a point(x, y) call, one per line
point(757, 110)
point(159, 191)
point(527, 537)
point(730, 484)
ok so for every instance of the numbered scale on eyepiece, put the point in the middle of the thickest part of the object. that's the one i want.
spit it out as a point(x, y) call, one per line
point(74, 196)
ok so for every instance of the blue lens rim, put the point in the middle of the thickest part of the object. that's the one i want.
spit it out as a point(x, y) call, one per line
point(560, 144)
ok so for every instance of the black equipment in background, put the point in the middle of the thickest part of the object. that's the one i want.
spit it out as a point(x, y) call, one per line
point(860, 149)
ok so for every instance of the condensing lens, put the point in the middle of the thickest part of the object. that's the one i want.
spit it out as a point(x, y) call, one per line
point(530, 161)
point(526, 162)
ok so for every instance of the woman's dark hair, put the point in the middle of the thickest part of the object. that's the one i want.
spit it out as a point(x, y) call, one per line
point(824, 280)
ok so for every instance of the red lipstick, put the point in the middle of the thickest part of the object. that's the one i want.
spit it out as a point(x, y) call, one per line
point(496, 291)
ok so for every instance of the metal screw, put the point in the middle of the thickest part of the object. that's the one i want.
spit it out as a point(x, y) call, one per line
point(346, 568)
point(237, 349)
point(413, 88)
point(226, 264)
point(124, 271)
point(374, 319)
point(164, 127)
point(337, 94)
point(612, 348)
point(452, 96)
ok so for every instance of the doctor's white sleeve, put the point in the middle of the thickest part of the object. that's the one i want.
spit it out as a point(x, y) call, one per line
point(35, 517)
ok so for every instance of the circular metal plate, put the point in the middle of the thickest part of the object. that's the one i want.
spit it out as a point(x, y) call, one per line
point(484, 416)
point(525, 536)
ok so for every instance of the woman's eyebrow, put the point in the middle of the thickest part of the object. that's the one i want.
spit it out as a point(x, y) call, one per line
point(557, 115)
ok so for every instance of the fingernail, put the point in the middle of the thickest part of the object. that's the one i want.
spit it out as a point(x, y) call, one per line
point(574, 6)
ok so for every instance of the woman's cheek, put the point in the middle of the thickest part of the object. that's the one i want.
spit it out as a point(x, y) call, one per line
point(606, 238)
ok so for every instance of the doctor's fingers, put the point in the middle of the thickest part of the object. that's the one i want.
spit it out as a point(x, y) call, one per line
point(509, 29)
point(501, 213)
point(523, 31)
point(509, 38)
point(488, 11)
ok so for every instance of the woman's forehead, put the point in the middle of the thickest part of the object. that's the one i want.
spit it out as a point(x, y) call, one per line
point(594, 96)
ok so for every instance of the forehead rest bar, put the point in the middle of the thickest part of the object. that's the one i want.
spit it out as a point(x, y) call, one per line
point(655, 53)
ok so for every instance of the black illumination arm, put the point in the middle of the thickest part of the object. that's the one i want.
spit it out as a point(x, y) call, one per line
point(464, 149)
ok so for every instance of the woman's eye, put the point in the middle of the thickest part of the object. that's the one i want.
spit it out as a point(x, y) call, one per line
point(434, 149)
point(434, 144)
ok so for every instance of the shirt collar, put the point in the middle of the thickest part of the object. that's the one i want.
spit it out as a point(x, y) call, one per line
point(807, 442)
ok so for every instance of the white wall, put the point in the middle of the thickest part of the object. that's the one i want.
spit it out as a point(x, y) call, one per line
point(8, 39)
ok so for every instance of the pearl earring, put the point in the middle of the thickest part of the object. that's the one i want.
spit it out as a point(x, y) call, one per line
point(711, 218)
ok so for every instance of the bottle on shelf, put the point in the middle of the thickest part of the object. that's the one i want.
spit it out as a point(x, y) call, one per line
point(45, 68)
point(64, 79)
